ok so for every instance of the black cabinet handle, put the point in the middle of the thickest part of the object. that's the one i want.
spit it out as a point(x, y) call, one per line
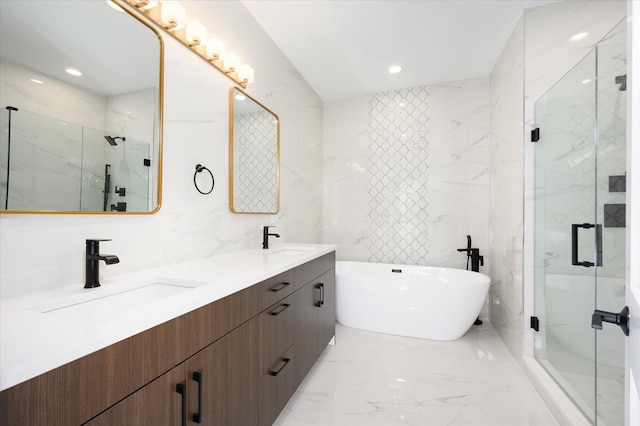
point(279, 287)
point(197, 416)
point(285, 361)
point(574, 244)
point(318, 302)
point(621, 319)
point(279, 311)
point(181, 389)
point(321, 294)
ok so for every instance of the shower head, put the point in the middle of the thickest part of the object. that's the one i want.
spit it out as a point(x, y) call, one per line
point(112, 139)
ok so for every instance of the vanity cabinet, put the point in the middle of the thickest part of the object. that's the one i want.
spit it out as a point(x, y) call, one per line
point(235, 361)
point(216, 386)
point(315, 321)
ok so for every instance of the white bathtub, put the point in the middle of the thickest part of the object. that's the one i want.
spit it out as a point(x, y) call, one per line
point(414, 301)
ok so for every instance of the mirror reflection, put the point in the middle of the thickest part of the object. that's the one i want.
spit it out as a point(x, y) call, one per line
point(80, 91)
point(254, 156)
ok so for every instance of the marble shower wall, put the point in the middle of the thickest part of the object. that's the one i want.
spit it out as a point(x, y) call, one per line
point(406, 174)
point(537, 55)
point(188, 225)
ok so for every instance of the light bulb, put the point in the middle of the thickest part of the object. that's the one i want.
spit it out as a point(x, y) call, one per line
point(172, 15)
point(231, 62)
point(196, 34)
point(215, 49)
point(246, 74)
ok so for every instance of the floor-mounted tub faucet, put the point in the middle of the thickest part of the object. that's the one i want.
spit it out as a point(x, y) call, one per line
point(93, 258)
point(473, 254)
point(266, 235)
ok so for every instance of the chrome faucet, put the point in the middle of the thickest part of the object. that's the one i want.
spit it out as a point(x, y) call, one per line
point(266, 235)
point(93, 257)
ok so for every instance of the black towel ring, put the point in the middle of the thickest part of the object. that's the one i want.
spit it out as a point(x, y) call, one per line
point(199, 168)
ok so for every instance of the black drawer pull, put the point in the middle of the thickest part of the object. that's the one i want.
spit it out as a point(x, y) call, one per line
point(279, 311)
point(181, 389)
point(320, 301)
point(197, 416)
point(285, 361)
point(279, 287)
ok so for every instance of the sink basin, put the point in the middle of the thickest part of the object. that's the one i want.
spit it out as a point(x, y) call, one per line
point(291, 250)
point(110, 305)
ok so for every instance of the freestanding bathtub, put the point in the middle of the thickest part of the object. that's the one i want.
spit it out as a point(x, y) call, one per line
point(415, 301)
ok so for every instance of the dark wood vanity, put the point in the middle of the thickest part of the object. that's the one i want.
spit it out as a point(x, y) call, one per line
point(236, 361)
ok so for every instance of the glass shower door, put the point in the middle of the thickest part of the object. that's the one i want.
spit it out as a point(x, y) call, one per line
point(564, 195)
point(580, 234)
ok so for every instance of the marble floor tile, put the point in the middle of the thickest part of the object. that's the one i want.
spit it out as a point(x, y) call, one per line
point(378, 379)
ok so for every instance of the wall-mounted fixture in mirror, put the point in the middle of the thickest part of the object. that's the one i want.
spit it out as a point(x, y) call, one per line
point(254, 155)
point(81, 109)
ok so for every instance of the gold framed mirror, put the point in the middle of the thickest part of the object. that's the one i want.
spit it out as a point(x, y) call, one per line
point(81, 109)
point(254, 155)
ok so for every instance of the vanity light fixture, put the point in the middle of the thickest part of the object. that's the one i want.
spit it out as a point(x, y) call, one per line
point(172, 17)
point(231, 63)
point(246, 73)
point(215, 49)
point(196, 33)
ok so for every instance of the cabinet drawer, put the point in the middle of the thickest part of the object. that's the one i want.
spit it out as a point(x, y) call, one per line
point(313, 269)
point(276, 332)
point(275, 288)
point(276, 387)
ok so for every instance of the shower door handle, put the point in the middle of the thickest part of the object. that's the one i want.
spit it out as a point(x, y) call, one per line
point(621, 319)
point(574, 244)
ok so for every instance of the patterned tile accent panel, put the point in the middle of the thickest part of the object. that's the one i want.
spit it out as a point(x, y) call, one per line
point(255, 163)
point(398, 192)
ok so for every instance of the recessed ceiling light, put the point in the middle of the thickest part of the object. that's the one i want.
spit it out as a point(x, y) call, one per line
point(36, 81)
point(577, 37)
point(73, 72)
point(114, 6)
point(394, 69)
point(240, 97)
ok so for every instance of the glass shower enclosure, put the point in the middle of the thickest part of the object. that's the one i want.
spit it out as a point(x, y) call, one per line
point(48, 164)
point(580, 258)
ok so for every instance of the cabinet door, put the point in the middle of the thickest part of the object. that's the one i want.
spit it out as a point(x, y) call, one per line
point(327, 322)
point(241, 388)
point(206, 381)
point(156, 404)
point(276, 387)
point(306, 329)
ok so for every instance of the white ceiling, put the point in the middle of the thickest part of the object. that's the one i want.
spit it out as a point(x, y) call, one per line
point(344, 48)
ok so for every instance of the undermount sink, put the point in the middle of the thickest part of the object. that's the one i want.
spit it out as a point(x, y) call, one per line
point(291, 250)
point(110, 305)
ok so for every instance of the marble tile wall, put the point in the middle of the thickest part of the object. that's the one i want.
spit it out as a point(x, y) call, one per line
point(505, 202)
point(406, 174)
point(188, 225)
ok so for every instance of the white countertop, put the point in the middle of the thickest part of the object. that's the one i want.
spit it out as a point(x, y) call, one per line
point(32, 342)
